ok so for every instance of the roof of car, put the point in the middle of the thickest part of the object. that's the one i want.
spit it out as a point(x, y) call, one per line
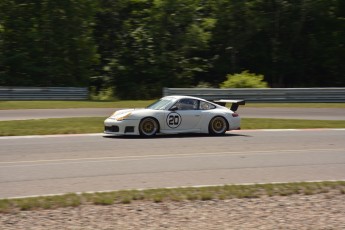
point(181, 96)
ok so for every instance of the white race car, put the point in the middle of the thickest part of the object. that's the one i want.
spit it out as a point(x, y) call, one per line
point(176, 114)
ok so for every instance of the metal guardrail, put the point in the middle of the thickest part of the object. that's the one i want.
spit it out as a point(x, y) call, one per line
point(264, 95)
point(43, 93)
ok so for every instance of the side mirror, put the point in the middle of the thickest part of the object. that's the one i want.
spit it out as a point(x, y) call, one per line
point(173, 108)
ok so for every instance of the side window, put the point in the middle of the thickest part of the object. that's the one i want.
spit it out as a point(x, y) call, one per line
point(206, 106)
point(187, 104)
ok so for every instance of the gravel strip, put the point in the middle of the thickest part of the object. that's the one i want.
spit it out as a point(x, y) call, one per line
point(321, 211)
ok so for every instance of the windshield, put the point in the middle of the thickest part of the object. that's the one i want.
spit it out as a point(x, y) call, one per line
point(162, 104)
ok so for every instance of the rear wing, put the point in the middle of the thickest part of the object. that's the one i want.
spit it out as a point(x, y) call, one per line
point(234, 103)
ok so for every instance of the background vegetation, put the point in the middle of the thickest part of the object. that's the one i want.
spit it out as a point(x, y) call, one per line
point(135, 47)
point(244, 80)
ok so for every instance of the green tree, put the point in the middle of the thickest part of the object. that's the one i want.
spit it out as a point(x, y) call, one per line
point(245, 79)
point(144, 45)
point(125, 47)
point(231, 33)
point(47, 42)
point(153, 44)
point(294, 43)
point(2, 67)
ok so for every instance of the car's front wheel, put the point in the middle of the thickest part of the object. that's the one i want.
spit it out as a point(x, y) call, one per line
point(148, 127)
point(217, 126)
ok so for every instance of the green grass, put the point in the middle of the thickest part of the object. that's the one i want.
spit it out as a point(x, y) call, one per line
point(52, 126)
point(5, 105)
point(265, 123)
point(95, 125)
point(137, 104)
point(296, 105)
point(173, 195)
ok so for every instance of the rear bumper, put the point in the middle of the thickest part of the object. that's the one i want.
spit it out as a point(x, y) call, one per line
point(235, 123)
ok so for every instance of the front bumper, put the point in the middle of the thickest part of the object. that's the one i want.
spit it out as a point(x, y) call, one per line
point(124, 127)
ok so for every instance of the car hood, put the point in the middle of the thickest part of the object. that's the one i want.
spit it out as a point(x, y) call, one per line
point(134, 113)
point(122, 112)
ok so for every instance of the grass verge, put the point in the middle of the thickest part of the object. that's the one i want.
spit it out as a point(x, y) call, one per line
point(5, 105)
point(52, 126)
point(265, 123)
point(95, 125)
point(174, 194)
point(137, 104)
point(296, 105)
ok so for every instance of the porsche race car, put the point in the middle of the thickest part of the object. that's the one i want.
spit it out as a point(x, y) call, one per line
point(176, 114)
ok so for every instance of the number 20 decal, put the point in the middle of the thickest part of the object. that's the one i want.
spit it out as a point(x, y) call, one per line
point(174, 120)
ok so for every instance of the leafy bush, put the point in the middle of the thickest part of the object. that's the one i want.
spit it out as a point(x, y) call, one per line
point(245, 79)
point(204, 84)
point(105, 94)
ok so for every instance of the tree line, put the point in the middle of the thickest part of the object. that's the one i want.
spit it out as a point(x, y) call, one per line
point(136, 47)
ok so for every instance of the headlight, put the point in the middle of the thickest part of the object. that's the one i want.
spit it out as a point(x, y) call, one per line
point(123, 117)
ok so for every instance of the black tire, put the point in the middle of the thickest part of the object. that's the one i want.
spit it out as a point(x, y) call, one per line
point(148, 127)
point(217, 126)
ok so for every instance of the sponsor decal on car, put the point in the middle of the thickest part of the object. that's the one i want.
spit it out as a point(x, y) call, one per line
point(174, 120)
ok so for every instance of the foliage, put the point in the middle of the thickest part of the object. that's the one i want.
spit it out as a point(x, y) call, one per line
point(244, 80)
point(203, 84)
point(103, 94)
point(47, 42)
point(152, 44)
point(136, 47)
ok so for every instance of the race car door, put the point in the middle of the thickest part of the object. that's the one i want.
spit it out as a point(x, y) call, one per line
point(186, 117)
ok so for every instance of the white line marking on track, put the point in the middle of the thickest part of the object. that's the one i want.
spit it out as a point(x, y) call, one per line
point(147, 157)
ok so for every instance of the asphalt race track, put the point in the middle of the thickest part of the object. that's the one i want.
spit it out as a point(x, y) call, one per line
point(38, 165)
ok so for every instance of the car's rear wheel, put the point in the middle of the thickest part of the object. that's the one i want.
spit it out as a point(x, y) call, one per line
point(148, 127)
point(217, 126)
